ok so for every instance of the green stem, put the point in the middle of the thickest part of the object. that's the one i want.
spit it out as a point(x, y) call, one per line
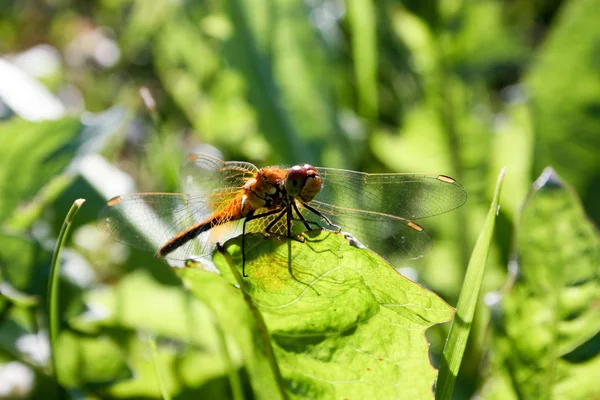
point(467, 302)
point(53, 284)
point(159, 378)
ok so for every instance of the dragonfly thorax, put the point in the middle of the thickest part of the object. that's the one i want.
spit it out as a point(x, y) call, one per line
point(266, 190)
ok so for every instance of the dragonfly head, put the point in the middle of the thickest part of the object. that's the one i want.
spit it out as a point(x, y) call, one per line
point(303, 181)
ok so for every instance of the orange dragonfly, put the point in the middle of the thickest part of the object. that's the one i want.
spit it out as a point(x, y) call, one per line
point(225, 199)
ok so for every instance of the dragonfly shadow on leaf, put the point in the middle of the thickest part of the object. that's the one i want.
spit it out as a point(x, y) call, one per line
point(277, 257)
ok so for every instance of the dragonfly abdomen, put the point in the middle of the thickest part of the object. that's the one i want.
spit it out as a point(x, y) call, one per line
point(234, 211)
point(183, 237)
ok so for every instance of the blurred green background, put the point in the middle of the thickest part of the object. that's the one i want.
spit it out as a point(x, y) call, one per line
point(460, 88)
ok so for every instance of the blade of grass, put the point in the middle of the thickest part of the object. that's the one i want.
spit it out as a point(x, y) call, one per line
point(262, 326)
point(234, 379)
point(232, 373)
point(53, 283)
point(159, 377)
point(469, 296)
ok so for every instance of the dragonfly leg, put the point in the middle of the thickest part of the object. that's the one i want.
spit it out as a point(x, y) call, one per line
point(248, 219)
point(288, 221)
point(301, 218)
point(290, 218)
point(321, 215)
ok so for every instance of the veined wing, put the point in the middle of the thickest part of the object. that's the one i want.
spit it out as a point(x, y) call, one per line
point(389, 235)
point(149, 220)
point(410, 196)
point(277, 223)
point(394, 237)
point(205, 174)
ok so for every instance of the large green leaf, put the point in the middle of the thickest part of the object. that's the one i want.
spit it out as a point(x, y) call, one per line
point(343, 322)
point(546, 334)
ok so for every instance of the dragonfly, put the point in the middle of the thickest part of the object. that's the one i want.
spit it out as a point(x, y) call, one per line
point(222, 200)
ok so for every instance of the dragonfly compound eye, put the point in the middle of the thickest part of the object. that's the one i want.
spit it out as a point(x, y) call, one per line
point(312, 184)
point(294, 182)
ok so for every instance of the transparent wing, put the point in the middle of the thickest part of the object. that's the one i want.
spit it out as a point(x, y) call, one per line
point(204, 174)
point(410, 196)
point(147, 221)
point(393, 237)
point(388, 235)
point(276, 224)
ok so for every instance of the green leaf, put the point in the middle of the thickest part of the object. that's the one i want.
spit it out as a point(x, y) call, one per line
point(546, 334)
point(240, 331)
point(469, 297)
point(343, 323)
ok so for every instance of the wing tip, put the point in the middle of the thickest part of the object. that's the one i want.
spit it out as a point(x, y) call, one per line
point(114, 201)
point(415, 226)
point(446, 179)
point(460, 200)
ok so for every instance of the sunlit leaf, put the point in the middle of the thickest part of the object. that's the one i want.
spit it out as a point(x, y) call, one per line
point(343, 323)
